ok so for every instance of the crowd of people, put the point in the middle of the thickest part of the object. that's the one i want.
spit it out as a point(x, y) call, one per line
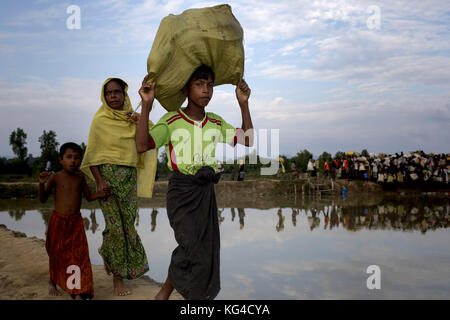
point(408, 170)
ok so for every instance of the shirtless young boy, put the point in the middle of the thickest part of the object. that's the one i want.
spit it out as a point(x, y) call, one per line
point(66, 241)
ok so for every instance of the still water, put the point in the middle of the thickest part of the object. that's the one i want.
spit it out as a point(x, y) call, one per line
point(317, 251)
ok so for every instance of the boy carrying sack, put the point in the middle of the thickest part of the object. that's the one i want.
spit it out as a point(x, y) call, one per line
point(190, 135)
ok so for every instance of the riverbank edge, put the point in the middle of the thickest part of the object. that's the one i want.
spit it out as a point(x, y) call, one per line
point(254, 188)
point(24, 273)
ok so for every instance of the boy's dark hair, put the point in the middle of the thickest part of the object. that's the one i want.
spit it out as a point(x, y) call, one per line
point(202, 72)
point(122, 84)
point(70, 145)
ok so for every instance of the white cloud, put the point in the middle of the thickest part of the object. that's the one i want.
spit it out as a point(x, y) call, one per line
point(396, 77)
point(37, 105)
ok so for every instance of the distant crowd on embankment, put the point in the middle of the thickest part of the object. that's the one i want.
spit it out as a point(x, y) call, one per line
point(403, 170)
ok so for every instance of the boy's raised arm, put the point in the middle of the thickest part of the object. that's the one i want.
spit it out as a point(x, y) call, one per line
point(45, 189)
point(147, 93)
point(245, 136)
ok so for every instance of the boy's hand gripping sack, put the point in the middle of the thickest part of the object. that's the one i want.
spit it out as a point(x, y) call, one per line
point(210, 36)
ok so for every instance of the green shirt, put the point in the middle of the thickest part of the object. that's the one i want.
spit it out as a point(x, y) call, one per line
point(191, 144)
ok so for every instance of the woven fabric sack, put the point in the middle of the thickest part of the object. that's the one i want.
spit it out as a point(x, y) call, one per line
point(211, 36)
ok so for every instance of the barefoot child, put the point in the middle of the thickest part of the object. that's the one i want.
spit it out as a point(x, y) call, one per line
point(66, 241)
point(190, 136)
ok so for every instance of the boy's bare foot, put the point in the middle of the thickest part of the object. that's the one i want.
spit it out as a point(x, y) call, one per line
point(52, 289)
point(108, 272)
point(77, 297)
point(119, 287)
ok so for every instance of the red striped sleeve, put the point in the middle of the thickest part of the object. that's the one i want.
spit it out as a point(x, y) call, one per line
point(233, 144)
point(215, 121)
point(176, 115)
point(173, 160)
point(173, 119)
point(151, 141)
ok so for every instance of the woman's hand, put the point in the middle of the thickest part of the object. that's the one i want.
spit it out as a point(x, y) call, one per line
point(242, 92)
point(105, 192)
point(102, 187)
point(147, 92)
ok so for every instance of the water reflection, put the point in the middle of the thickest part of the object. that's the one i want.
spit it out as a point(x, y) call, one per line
point(17, 214)
point(241, 214)
point(94, 224)
point(300, 251)
point(219, 214)
point(153, 216)
point(386, 216)
point(294, 216)
point(280, 225)
point(405, 216)
point(45, 213)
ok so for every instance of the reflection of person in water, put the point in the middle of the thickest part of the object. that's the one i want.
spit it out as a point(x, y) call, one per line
point(153, 216)
point(16, 214)
point(313, 221)
point(334, 219)
point(137, 218)
point(280, 224)
point(241, 214)
point(345, 218)
point(327, 217)
point(86, 223)
point(294, 216)
point(233, 214)
point(94, 224)
point(424, 225)
point(219, 215)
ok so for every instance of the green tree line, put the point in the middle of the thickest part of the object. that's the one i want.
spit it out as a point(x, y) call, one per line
point(26, 164)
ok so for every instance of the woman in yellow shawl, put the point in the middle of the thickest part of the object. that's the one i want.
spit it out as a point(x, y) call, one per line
point(111, 159)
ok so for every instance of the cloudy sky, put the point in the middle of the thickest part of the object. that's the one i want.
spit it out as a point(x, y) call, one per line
point(329, 75)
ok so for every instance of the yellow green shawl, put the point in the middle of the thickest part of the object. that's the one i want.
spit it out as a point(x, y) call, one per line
point(112, 141)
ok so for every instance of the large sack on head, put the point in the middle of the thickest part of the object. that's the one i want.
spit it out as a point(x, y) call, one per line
point(210, 36)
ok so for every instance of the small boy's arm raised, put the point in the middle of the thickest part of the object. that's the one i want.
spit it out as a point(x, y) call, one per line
point(45, 188)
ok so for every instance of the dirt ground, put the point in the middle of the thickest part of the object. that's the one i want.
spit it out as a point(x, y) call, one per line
point(24, 273)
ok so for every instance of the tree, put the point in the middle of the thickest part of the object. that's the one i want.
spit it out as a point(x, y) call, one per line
point(49, 148)
point(163, 157)
point(162, 163)
point(301, 160)
point(365, 153)
point(17, 140)
point(339, 155)
point(83, 147)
